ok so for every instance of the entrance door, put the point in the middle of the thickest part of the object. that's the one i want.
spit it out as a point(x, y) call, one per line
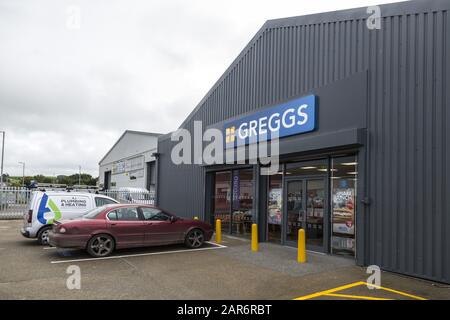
point(305, 207)
point(107, 180)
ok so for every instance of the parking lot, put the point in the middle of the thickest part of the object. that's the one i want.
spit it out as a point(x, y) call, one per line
point(228, 271)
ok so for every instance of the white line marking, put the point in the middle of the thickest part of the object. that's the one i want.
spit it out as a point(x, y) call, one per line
point(48, 248)
point(217, 246)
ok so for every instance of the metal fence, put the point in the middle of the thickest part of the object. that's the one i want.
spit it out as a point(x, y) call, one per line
point(14, 201)
point(132, 196)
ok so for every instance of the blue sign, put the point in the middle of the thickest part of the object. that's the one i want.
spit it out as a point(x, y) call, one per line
point(287, 119)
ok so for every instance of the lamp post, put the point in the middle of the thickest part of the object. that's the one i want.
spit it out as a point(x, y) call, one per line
point(23, 173)
point(3, 153)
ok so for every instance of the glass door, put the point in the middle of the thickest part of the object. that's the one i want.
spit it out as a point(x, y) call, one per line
point(305, 207)
point(295, 209)
point(315, 207)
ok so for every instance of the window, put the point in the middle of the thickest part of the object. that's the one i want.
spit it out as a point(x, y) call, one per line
point(112, 215)
point(275, 208)
point(153, 214)
point(242, 202)
point(222, 199)
point(124, 214)
point(343, 197)
point(94, 213)
point(151, 176)
point(99, 201)
point(233, 200)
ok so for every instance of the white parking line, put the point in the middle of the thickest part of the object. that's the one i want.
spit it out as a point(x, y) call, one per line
point(217, 246)
point(48, 248)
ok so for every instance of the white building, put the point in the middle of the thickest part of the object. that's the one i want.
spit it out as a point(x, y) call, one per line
point(130, 162)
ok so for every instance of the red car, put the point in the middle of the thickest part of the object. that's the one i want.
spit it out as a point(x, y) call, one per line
point(119, 226)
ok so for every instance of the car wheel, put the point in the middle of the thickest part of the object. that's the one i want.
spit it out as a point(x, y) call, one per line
point(195, 238)
point(100, 245)
point(42, 236)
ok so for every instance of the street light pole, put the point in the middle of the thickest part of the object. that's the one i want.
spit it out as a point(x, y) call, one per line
point(3, 153)
point(23, 173)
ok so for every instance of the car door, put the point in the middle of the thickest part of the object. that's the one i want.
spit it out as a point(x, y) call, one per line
point(159, 229)
point(127, 227)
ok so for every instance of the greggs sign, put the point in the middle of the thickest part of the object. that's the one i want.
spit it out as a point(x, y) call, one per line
point(286, 119)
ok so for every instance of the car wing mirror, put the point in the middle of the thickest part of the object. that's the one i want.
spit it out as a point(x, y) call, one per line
point(173, 218)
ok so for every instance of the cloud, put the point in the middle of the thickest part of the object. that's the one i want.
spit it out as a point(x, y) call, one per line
point(67, 94)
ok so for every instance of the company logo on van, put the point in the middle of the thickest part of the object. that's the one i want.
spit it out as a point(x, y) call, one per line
point(286, 119)
point(47, 205)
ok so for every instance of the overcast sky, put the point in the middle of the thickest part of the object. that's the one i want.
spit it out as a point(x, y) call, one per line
point(69, 87)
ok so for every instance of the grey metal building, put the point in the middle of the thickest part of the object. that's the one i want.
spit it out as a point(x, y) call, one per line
point(371, 179)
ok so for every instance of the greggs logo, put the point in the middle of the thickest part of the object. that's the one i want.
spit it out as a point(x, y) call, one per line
point(290, 118)
point(230, 134)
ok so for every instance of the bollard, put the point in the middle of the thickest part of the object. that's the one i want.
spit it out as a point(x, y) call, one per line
point(301, 256)
point(254, 237)
point(218, 231)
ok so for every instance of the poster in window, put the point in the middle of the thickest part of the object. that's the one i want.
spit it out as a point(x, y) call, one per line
point(274, 207)
point(344, 210)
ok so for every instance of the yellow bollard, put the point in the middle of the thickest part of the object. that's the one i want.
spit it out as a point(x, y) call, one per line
point(218, 231)
point(254, 237)
point(301, 256)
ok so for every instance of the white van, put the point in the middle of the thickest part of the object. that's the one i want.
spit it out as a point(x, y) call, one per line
point(46, 207)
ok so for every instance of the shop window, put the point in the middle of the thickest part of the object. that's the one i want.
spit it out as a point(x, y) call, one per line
point(222, 199)
point(307, 168)
point(343, 188)
point(274, 208)
point(242, 202)
point(233, 201)
point(315, 206)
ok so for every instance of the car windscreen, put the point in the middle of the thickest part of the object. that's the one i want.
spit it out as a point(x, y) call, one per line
point(94, 212)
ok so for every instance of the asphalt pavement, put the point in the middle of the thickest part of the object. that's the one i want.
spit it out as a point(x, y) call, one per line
point(227, 271)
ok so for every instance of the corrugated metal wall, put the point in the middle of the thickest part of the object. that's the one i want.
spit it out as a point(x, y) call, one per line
point(408, 148)
point(408, 140)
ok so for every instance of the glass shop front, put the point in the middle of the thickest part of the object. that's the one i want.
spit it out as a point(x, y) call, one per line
point(316, 195)
point(233, 201)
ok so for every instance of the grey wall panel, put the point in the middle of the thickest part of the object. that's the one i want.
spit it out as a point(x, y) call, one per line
point(407, 92)
point(407, 147)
